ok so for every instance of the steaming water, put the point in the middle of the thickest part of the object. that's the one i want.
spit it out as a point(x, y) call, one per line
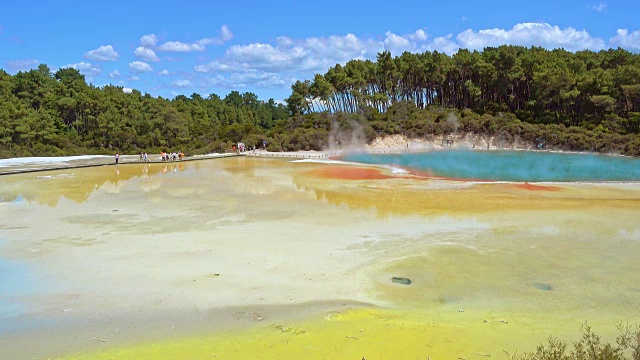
point(511, 165)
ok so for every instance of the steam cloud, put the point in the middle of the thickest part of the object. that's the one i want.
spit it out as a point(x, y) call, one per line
point(453, 122)
point(349, 138)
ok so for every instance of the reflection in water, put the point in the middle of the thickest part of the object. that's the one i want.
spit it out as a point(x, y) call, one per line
point(406, 195)
point(77, 185)
point(242, 166)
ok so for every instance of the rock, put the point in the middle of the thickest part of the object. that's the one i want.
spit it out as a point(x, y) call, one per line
point(543, 287)
point(401, 280)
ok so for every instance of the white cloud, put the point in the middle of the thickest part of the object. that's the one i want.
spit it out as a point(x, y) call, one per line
point(600, 7)
point(164, 72)
point(133, 78)
point(181, 83)
point(249, 79)
point(268, 57)
point(310, 54)
point(146, 54)
point(115, 74)
point(397, 44)
point(213, 66)
point(528, 34)
point(149, 40)
point(177, 46)
point(225, 35)
point(624, 39)
point(103, 53)
point(342, 48)
point(127, 90)
point(84, 68)
point(22, 65)
point(200, 45)
point(273, 65)
point(444, 44)
point(138, 67)
point(317, 54)
point(419, 35)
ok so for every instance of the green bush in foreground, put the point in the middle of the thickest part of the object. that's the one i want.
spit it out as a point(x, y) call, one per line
point(589, 347)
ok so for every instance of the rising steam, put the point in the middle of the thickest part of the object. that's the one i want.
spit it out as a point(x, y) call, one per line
point(348, 138)
point(453, 122)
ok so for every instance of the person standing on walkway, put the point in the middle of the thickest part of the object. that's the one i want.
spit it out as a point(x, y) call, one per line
point(117, 158)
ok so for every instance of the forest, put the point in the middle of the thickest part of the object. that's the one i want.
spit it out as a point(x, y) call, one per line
point(582, 101)
point(45, 113)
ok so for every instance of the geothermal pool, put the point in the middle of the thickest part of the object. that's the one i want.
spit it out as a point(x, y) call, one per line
point(272, 258)
point(511, 165)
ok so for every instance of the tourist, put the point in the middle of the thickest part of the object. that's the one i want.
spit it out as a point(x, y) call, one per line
point(117, 158)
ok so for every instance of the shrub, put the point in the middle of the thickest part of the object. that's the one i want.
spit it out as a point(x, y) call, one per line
point(589, 347)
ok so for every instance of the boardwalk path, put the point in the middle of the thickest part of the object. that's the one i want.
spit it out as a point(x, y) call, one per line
point(30, 165)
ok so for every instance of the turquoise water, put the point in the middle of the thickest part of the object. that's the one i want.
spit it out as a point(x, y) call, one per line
point(13, 284)
point(17, 282)
point(511, 165)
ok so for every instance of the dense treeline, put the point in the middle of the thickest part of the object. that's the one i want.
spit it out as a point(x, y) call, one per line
point(592, 95)
point(575, 101)
point(585, 88)
point(44, 113)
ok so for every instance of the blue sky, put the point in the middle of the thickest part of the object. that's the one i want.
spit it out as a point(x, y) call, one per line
point(167, 48)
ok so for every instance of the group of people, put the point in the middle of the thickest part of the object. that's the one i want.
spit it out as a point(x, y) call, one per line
point(144, 157)
point(172, 156)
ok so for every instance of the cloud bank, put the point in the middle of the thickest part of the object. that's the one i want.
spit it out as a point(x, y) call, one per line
point(277, 63)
